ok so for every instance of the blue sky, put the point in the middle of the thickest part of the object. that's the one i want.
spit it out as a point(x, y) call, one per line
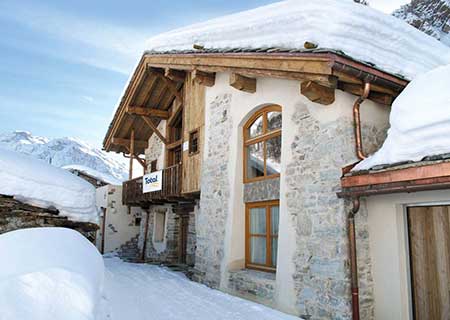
point(64, 63)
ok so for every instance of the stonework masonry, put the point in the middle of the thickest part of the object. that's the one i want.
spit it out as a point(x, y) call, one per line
point(312, 178)
point(264, 190)
point(160, 252)
point(215, 194)
point(155, 150)
point(253, 285)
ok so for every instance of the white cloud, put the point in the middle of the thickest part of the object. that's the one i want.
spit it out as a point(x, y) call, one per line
point(88, 99)
point(91, 42)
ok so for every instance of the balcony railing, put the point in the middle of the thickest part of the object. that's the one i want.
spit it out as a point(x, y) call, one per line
point(171, 189)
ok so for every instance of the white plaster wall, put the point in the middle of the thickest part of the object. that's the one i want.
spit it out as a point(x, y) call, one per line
point(389, 250)
point(123, 226)
point(285, 93)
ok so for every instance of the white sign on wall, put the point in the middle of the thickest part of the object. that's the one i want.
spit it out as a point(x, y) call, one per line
point(152, 182)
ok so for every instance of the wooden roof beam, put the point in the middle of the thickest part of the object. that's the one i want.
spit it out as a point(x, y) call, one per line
point(243, 83)
point(175, 75)
point(357, 90)
point(149, 112)
point(171, 85)
point(317, 92)
point(150, 123)
point(207, 79)
point(140, 144)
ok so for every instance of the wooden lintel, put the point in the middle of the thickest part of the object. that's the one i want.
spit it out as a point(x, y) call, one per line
point(243, 83)
point(317, 92)
point(140, 144)
point(150, 123)
point(174, 144)
point(207, 79)
point(175, 75)
point(149, 112)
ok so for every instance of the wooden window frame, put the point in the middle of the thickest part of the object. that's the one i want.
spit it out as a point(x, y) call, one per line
point(191, 135)
point(154, 165)
point(267, 205)
point(266, 135)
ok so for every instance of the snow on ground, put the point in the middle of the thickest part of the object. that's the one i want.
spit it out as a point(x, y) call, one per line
point(146, 292)
point(94, 173)
point(49, 274)
point(38, 183)
point(420, 121)
point(359, 31)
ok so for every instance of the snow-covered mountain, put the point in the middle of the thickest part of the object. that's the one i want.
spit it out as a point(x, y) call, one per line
point(63, 151)
point(429, 16)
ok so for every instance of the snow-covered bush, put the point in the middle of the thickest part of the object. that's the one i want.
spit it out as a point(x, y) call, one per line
point(49, 274)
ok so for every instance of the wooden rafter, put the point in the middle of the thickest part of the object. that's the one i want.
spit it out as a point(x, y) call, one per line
point(177, 110)
point(149, 112)
point(140, 160)
point(243, 83)
point(171, 85)
point(150, 123)
point(140, 144)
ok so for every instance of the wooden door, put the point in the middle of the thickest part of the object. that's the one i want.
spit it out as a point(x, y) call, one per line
point(429, 242)
point(183, 238)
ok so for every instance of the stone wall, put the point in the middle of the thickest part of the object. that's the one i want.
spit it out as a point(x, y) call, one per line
point(312, 178)
point(160, 252)
point(15, 215)
point(155, 149)
point(215, 194)
point(191, 240)
point(264, 190)
point(253, 285)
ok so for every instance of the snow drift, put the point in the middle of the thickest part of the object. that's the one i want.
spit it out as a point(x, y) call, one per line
point(40, 184)
point(49, 274)
point(420, 121)
point(359, 31)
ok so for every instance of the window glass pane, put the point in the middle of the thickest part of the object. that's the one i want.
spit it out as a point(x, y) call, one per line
point(258, 250)
point(255, 160)
point(274, 217)
point(273, 155)
point(258, 221)
point(256, 128)
point(273, 120)
point(274, 251)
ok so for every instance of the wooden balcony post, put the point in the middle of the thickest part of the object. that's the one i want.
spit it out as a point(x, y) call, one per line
point(130, 175)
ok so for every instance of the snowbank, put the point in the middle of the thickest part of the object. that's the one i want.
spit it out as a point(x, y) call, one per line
point(420, 121)
point(49, 274)
point(40, 184)
point(359, 31)
point(94, 173)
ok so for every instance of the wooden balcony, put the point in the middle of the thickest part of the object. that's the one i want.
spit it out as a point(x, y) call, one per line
point(132, 194)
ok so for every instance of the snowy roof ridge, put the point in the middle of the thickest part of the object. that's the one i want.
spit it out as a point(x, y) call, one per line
point(360, 32)
point(94, 174)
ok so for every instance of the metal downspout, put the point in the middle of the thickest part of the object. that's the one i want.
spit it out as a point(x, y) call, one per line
point(353, 258)
point(357, 121)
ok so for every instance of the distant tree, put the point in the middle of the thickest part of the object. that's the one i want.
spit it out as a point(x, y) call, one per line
point(364, 2)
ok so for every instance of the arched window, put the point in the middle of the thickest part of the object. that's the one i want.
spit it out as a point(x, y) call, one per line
point(262, 145)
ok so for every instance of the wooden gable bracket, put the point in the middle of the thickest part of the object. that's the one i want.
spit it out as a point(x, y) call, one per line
point(150, 123)
point(317, 92)
point(175, 75)
point(140, 160)
point(149, 112)
point(243, 83)
point(141, 144)
point(207, 79)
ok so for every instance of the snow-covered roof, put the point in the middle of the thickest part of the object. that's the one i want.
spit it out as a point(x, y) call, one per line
point(420, 122)
point(38, 183)
point(94, 174)
point(360, 32)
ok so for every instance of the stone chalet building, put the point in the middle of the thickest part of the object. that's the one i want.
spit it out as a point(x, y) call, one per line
point(252, 143)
